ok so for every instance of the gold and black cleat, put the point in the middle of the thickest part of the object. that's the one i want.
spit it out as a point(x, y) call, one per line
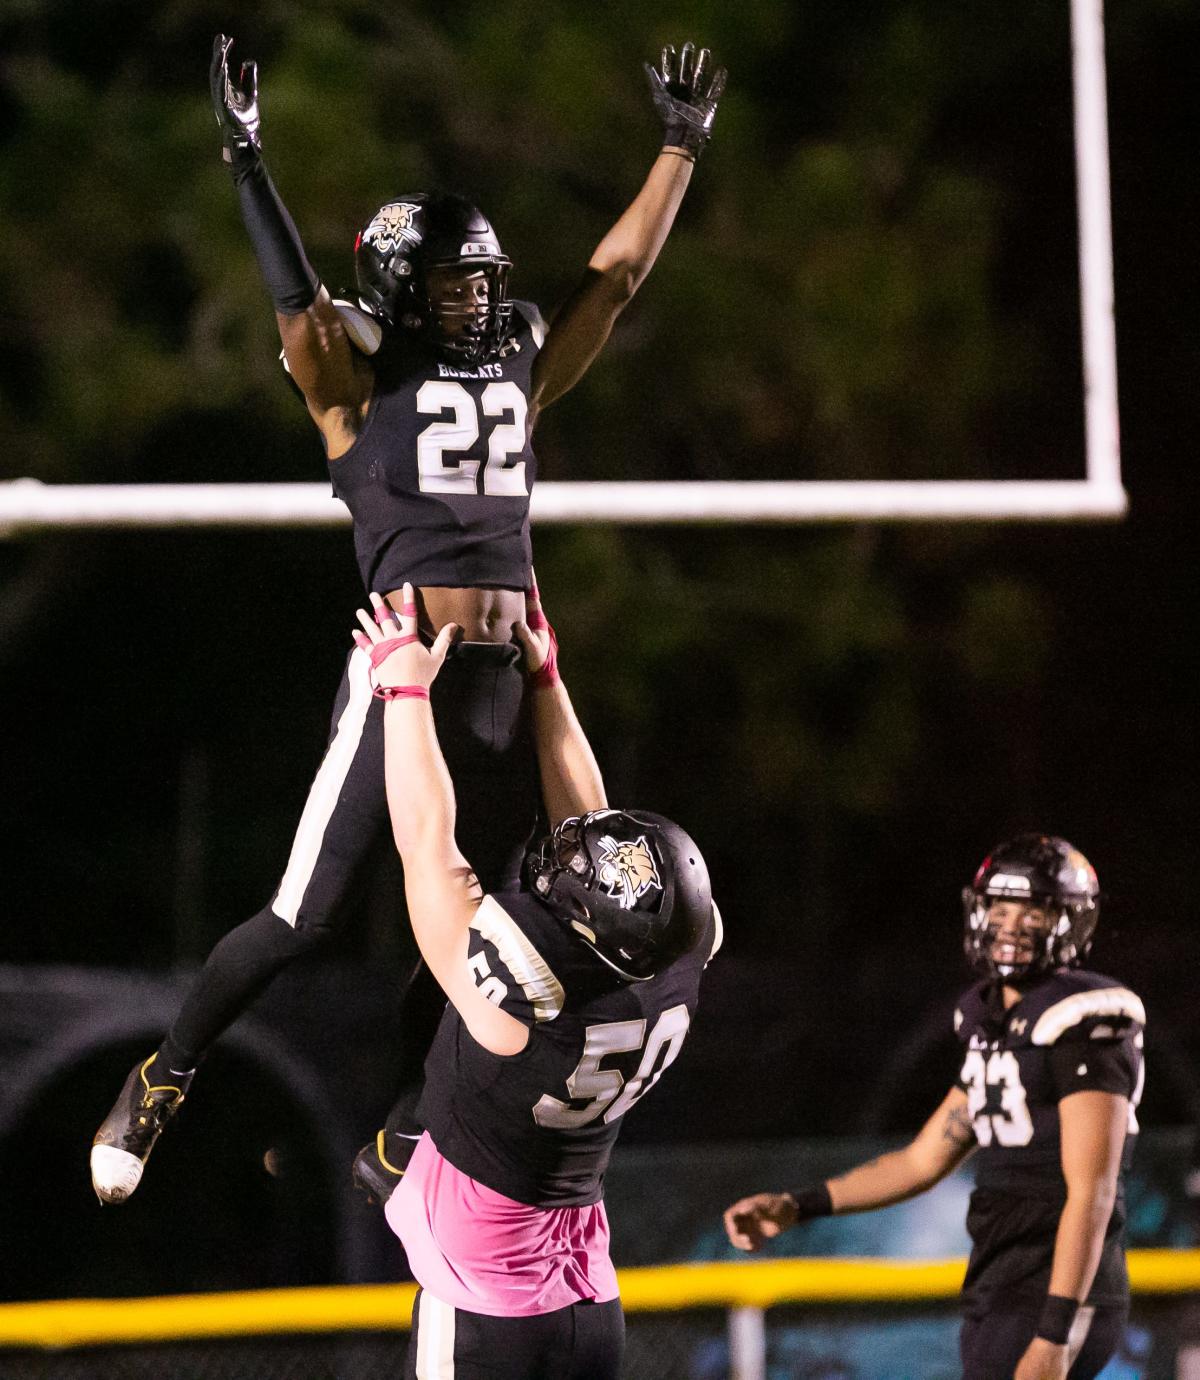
point(129, 1132)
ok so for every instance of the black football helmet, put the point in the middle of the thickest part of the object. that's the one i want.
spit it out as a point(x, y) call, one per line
point(632, 885)
point(406, 238)
point(1044, 871)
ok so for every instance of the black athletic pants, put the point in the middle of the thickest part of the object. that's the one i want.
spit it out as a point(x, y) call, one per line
point(480, 708)
point(992, 1343)
point(581, 1342)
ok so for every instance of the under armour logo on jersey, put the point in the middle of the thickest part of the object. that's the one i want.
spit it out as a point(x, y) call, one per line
point(391, 227)
point(1018, 1027)
point(626, 870)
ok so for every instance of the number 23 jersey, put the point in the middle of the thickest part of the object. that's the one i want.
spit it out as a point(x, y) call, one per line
point(539, 1126)
point(1075, 1031)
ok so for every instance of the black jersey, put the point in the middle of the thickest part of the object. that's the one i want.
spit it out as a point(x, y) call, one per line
point(1072, 1032)
point(539, 1126)
point(439, 477)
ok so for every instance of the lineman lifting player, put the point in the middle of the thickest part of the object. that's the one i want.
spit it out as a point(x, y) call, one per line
point(1046, 1099)
point(425, 396)
point(569, 997)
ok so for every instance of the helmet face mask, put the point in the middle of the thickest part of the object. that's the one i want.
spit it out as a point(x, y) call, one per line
point(1032, 907)
point(430, 263)
point(631, 885)
point(466, 307)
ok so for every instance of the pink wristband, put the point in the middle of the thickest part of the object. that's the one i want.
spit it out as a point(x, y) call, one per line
point(537, 615)
point(546, 674)
point(400, 692)
point(382, 650)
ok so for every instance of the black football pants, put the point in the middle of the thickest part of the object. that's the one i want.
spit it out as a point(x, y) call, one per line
point(481, 712)
point(583, 1341)
point(993, 1343)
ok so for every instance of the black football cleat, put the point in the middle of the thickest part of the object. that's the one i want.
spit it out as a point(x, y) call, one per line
point(129, 1132)
point(379, 1166)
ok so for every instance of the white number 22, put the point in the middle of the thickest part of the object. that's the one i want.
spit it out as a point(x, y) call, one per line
point(439, 476)
point(607, 1092)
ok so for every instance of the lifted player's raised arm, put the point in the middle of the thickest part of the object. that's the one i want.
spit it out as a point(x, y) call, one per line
point(685, 95)
point(335, 379)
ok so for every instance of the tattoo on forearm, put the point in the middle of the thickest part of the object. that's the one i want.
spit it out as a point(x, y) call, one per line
point(957, 1127)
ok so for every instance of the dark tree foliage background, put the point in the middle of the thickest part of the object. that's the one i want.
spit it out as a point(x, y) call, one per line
point(873, 277)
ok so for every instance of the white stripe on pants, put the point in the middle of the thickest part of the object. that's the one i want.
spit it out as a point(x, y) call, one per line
point(325, 791)
point(435, 1339)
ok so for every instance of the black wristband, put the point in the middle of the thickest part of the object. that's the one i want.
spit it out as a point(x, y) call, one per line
point(813, 1201)
point(682, 135)
point(1058, 1313)
point(290, 278)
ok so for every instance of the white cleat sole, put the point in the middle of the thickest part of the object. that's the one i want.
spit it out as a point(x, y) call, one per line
point(115, 1173)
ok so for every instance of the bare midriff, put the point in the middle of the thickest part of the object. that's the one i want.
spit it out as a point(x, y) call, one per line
point(484, 615)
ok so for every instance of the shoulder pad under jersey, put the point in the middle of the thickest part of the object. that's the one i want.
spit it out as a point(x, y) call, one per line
point(516, 951)
point(533, 317)
point(718, 935)
point(1073, 997)
point(364, 330)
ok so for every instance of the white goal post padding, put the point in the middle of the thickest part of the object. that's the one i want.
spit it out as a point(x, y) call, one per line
point(27, 505)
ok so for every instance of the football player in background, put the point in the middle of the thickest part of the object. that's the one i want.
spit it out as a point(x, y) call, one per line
point(1046, 1100)
point(425, 394)
point(569, 996)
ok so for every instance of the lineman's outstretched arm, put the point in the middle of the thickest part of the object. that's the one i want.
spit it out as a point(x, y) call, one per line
point(571, 780)
point(940, 1146)
point(336, 383)
point(443, 893)
point(685, 96)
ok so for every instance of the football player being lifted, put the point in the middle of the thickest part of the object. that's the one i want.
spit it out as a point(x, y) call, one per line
point(425, 393)
point(1046, 1101)
point(569, 996)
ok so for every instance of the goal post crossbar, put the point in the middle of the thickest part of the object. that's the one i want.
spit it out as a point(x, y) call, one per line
point(27, 505)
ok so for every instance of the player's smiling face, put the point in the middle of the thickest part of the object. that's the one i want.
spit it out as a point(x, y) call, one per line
point(1018, 931)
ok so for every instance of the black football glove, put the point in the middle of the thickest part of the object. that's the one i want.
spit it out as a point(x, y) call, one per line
point(685, 96)
point(236, 106)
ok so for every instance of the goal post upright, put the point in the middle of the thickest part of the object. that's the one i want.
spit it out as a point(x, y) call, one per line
point(1094, 211)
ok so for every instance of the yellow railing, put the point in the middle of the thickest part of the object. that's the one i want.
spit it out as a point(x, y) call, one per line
point(386, 1307)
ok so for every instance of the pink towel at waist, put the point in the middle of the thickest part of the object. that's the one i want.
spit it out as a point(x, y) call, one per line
point(475, 1249)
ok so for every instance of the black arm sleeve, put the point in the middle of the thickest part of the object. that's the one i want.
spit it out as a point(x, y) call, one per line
point(290, 278)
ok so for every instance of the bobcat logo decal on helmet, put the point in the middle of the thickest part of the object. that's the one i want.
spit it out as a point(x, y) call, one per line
point(626, 870)
point(391, 227)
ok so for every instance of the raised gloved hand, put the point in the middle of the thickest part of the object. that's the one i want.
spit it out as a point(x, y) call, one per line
point(685, 96)
point(236, 105)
